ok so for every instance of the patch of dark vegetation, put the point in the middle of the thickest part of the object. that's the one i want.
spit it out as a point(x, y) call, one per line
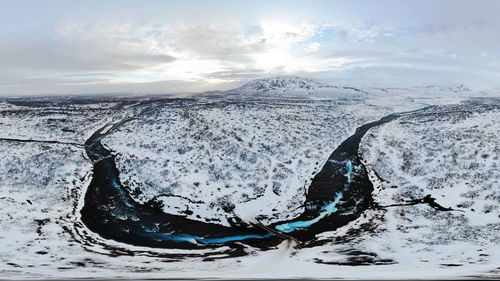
point(40, 224)
point(428, 199)
point(358, 258)
point(451, 264)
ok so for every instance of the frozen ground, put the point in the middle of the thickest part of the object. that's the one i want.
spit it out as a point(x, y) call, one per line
point(216, 160)
point(56, 119)
point(451, 153)
point(211, 158)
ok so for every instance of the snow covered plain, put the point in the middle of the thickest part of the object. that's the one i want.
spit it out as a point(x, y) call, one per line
point(252, 153)
point(214, 160)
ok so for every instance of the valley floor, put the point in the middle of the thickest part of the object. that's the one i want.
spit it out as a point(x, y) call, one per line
point(211, 159)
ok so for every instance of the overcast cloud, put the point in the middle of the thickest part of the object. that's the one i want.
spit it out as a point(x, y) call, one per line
point(69, 47)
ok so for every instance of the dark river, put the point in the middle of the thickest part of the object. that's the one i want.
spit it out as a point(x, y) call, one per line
point(338, 194)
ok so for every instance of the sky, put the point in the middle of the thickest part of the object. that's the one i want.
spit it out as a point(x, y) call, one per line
point(158, 47)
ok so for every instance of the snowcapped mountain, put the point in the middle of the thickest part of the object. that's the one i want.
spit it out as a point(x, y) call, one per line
point(289, 87)
point(282, 83)
point(286, 87)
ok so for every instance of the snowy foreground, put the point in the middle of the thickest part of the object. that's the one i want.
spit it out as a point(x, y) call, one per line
point(251, 153)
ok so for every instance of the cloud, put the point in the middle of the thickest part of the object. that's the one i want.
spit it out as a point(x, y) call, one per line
point(312, 47)
point(70, 53)
point(145, 47)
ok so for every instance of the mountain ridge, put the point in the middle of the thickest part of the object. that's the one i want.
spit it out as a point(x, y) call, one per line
point(289, 87)
point(311, 88)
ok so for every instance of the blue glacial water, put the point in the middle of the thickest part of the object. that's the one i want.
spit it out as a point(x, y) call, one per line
point(325, 210)
point(338, 194)
point(197, 240)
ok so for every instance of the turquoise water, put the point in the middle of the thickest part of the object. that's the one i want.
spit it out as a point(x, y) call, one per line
point(120, 215)
point(325, 210)
point(200, 240)
point(285, 228)
point(232, 238)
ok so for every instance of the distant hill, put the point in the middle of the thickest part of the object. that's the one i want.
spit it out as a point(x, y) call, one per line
point(289, 87)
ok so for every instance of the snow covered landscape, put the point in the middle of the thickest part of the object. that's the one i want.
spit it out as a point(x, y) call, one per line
point(244, 159)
